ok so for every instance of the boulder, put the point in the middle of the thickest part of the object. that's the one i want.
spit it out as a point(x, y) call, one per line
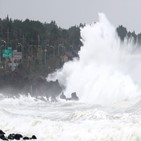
point(3, 137)
point(26, 138)
point(33, 137)
point(15, 136)
point(74, 96)
point(18, 136)
point(62, 96)
point(11, 136)
point(1, 132)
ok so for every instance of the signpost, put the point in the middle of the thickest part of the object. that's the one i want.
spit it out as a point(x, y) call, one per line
point(7, 53)
point(17, 55)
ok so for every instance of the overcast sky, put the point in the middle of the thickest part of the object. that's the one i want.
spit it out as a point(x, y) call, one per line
point(67, 13)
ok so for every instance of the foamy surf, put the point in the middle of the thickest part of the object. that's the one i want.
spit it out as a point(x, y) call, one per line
point(107, 80)
point(72, 121)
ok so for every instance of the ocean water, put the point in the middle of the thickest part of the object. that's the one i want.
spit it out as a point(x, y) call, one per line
point(107, 81)
point(71, 121)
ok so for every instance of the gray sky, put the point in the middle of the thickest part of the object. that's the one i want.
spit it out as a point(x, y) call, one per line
point(67, 13)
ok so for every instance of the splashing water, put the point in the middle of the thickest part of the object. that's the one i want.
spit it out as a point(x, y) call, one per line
point(71, 121)
point(107, 72)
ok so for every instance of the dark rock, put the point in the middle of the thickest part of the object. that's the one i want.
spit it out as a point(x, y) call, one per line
point(3, 137)
point(33, 137)
point(26, 138)
point(18, 136)
point(15, 136)
point(62, 96)
point(11, 136)
point(1, 132)
point(74, 96)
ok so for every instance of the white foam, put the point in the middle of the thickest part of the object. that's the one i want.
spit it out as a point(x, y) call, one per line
point(67, 121)
point(107, 72)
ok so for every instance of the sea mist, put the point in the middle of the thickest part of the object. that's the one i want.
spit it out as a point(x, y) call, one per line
point(107, 71)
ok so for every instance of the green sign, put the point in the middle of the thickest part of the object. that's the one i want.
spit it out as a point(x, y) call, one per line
point(7, 53)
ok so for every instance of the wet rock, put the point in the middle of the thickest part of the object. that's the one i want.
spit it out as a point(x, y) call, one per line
point(3, 137)
point(18, 136)
point(33, 137)
point(11, 136)
point(26, 138)
point(74, 96)
point(15, 136)
point(62, 96)
point(1, 132)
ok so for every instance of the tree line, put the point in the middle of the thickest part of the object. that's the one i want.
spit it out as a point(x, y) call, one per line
point(29, 36)
point(123, 33)
point(29, 32)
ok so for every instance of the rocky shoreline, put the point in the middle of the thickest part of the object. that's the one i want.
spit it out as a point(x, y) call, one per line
point(21, 82)
point(14, 136)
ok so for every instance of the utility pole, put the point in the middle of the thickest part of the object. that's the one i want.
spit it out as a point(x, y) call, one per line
point(38, 40)
point(4, 42)
point(7, 36)
point(23, 40)
point(59, 49)
point(38, 47)
point(45, 55)
point(1, 52)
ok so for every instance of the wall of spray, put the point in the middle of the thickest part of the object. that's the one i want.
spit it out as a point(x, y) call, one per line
point(107, 71)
